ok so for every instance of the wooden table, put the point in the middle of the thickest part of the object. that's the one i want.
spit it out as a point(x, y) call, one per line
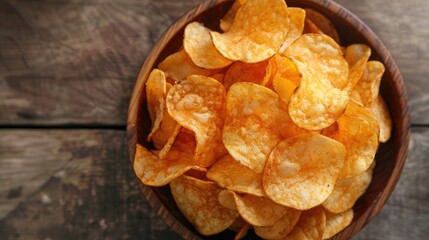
point(67, 69)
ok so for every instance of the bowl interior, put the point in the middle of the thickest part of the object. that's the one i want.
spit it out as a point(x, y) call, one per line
point(390, 157)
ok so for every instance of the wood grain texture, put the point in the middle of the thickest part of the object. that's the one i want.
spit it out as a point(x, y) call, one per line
point(88, 189)
point(75, 62)
point(95, 182)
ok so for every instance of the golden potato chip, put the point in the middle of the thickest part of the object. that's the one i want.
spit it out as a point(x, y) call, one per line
point(179, 65)
point(226, 199)
point(336, 222)
point(228, 19)
point(369, 84)
point(259, 211)
point(301, 171)
point(282, 227)
point(164, 130)
point(296, 26)
point(381, 112)
point(154, 171)
point(197, 200)
point(323, 23)
point(199, 46)
point(310, 226)
point(198, 103)
point(257, 33)
point(246, 72)
point(320, 55)
point(284, 88)
point(357, 110)
point(284, 68)
point(155, 95)
point(242, 232)
point(347, 191)
point(314, 105)
point(361, 142)
point(218, 76)
point(250, 131)
point(230, 174)
point(357, 56)
point(310, 27)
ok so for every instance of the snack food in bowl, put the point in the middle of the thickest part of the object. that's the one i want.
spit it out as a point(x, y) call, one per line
point(267, 124)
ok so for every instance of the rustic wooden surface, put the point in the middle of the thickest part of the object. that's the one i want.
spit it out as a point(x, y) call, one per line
point(69, 66)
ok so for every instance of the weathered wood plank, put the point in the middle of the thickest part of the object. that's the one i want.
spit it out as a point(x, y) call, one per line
point(84, 188)
point(75, 62)
point(72, 185)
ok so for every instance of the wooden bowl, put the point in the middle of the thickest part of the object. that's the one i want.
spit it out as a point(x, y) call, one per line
point(390, 157)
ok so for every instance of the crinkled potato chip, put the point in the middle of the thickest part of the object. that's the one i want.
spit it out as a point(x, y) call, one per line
point(179, 65)
point(301, 171)
point(199, 46)
point(296, 26)
point(259, 211)
point(198, 103)
point(250, 131)
point(347, 191)
point(230, 174)
point(282, 227)
point(320, 55)
point(357, 56)
point(361, 142)
point(323, 23)
point(336, 222)
point(310, 226)
point(369, 84)
point(246, 72)
point(257, 33)
point(228, 19)
point(226, 199)
point(381, 112)
point(154, 171)
point(155, 95)
point(314, 105)
point(197, 200)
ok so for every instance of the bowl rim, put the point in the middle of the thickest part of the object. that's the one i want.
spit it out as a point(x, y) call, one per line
point(367, 33)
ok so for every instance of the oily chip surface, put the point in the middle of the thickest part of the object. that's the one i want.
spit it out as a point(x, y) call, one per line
point(257, 33)
point(197, 200)
point(302, 170)
point(198, 103)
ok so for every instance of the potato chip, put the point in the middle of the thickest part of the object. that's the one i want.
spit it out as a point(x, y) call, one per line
point(257, 33)
point(284, 68)
point(228, 19)
point(238, 222)
point(301, 171)
point(218, 76)
point(381, 112)
point(246, 72)
point(357, 56)
point(197, 200)
point(230, 174)
point(314, 105)
point(164, 131)
point(336, 222)
point(242, 232)
point(369, 84)
point(357, 110)
point(320, 55)
point(179, 65)
point(296, 26)
point(226, 198)
point(198, 174)
point(347, 191)
point(154, 171)
point(310, 226)
point(323, 23)
point(259, 211)
point(361, 142)
point(310, 27)
point(155, 95)
point(198, 103)
point(250, 131)
point(284, 88)
point(199, 46)
point(281, 228)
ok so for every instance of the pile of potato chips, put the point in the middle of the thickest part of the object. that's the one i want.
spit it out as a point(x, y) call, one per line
point(269, 125)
